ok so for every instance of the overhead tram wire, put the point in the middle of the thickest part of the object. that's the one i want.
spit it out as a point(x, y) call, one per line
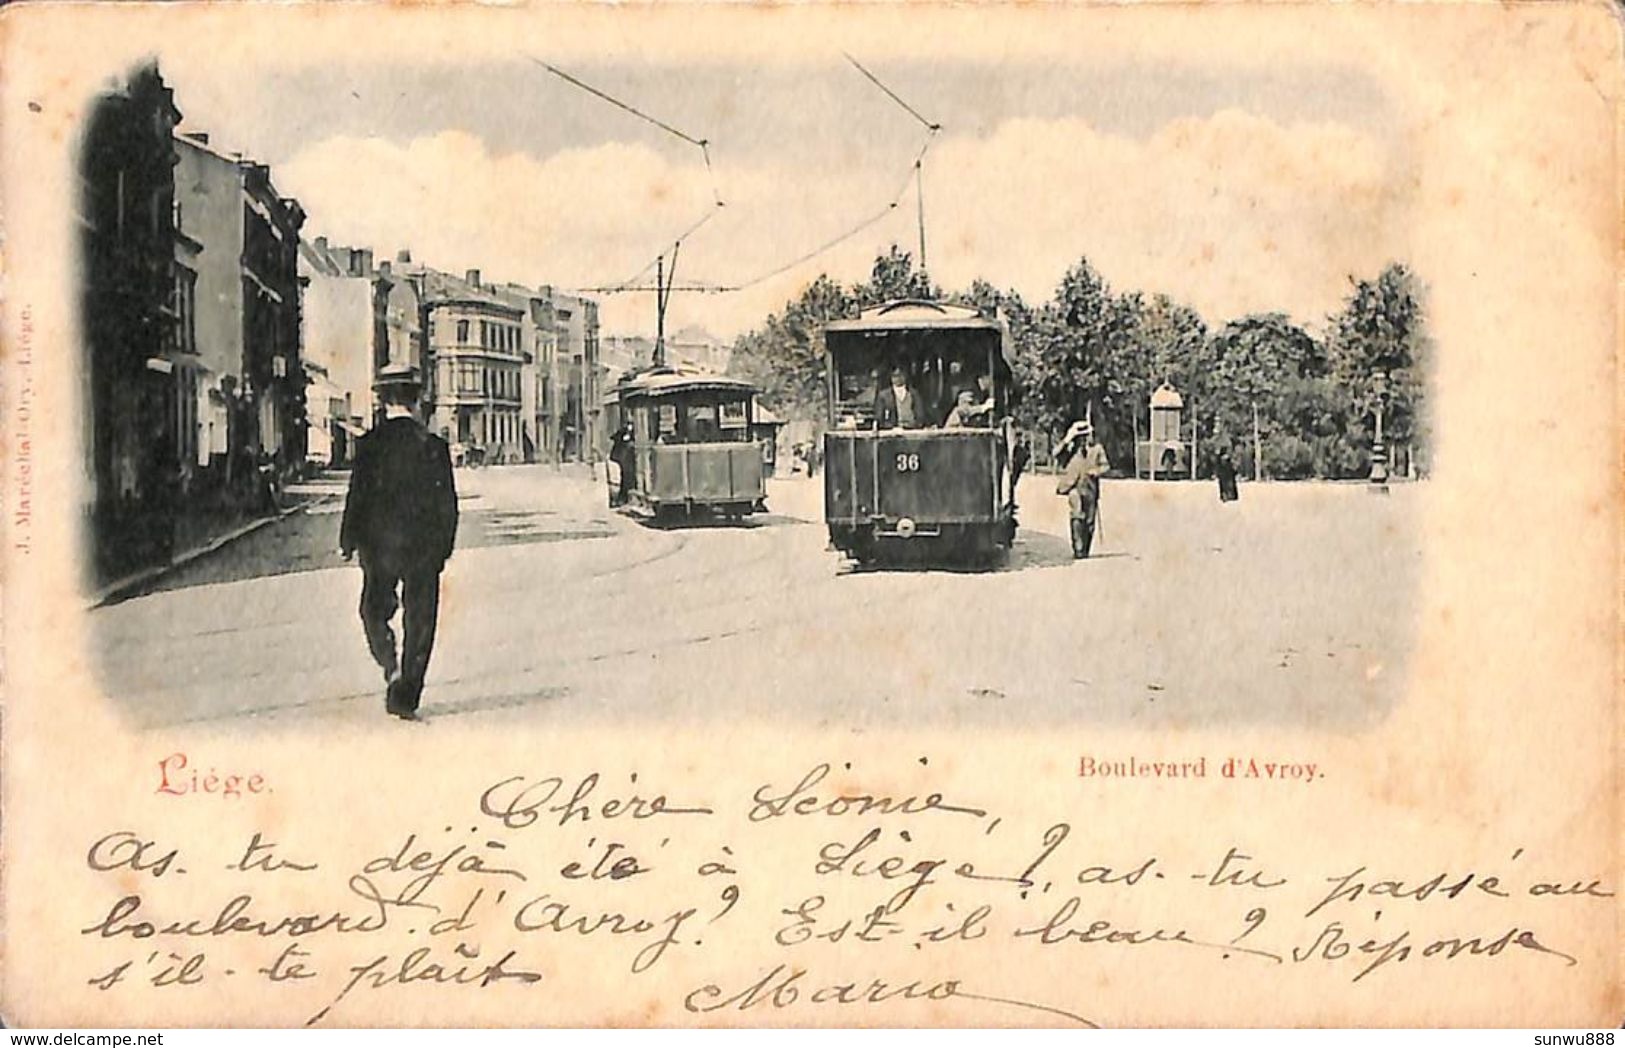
point(704, 146)
point(630, 283)
point(617, 103)
point(916, 175)
point(897, 198)
point(663, 287)
point(875, 80)
point(707, 288)
point(932, 129)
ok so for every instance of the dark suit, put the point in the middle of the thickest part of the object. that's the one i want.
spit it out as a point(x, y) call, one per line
point(889, 416)
point(401, 518)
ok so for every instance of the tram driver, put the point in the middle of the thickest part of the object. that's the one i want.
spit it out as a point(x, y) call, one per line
point(899, 405)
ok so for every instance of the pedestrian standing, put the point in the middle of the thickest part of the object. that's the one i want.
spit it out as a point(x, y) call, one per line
point(1020, 455)
point(401, 518)
point(1080, 483)
point(1224, 469)
point(622, 454)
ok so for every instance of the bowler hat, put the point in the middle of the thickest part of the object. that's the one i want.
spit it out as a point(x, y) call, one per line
point(396, 375)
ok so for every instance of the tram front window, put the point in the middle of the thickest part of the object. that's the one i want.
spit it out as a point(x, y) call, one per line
point(913, 391)
point(715, 423)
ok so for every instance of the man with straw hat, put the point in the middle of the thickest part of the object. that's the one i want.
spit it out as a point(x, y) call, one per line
point(401, 517)
point(1080, 483)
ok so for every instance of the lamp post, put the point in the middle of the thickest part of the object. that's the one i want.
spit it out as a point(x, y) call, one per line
point(1379, 451)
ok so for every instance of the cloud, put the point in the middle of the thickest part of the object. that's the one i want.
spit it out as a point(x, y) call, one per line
point(1230, 212)
point(576, 216)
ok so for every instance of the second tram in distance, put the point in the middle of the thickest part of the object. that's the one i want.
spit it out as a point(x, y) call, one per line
point(683, 444)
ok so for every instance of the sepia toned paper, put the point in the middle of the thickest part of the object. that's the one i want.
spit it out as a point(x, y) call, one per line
point(1322, 757)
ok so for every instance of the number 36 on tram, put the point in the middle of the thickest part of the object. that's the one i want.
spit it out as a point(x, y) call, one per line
point(919, 443)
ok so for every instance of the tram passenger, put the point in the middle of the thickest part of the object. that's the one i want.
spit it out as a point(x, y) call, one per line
point(966, 412)
point(899, 405)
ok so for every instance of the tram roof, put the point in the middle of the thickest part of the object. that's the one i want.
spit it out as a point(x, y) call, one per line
point(915, 314)
point(664, 382)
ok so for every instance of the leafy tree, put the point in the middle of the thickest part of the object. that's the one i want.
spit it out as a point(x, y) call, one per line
point(785, 356)
point(894, 277)
point(1255, 359)
point(1381, 332)
point(1074, 358)
point(1090, 352)
point(1175, 347)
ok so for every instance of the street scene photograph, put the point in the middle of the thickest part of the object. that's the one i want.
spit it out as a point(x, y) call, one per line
point(853, 391)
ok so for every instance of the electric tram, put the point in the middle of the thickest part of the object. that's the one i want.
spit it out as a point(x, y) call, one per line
point(919, 441)
point(683, 446)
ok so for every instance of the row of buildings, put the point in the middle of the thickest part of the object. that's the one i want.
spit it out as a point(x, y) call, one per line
point(511, 373)
point(224, 345)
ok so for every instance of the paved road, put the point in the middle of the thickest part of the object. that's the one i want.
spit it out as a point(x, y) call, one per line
point(1293, 606)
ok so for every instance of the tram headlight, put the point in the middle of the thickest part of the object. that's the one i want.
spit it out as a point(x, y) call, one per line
point(905, 528)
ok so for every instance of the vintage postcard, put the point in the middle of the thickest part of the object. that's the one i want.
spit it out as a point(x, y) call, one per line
point(811, 515)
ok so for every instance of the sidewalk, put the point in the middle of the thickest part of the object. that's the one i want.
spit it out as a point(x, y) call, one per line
point(300, 496)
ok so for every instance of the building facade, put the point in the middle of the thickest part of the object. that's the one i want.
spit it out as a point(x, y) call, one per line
point(512, 372)
point(476, 354)
point(358, 318)
point(247, 307)
point(135, 326)
point(690, 349)
point(578, 392)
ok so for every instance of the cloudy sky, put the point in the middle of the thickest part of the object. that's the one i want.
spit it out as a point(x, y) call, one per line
point(1231, 188)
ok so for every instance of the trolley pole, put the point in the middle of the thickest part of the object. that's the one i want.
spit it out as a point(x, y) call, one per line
point(663, 283)
point(919, 200)
point(1258, 447)
point(659, 359)
point(1194, 435)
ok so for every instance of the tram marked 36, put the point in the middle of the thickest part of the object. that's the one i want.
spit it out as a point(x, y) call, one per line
point(918, 450)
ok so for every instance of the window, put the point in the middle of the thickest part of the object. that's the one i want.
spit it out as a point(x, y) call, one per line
point(462, 332)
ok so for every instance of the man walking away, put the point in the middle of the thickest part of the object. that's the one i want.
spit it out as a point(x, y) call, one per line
point(1080, 483)
point(401, 517)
